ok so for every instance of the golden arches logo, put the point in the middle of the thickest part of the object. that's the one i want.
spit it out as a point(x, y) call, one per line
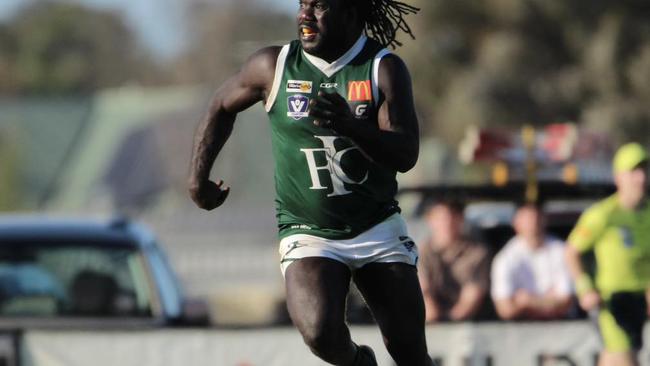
point(359, 91)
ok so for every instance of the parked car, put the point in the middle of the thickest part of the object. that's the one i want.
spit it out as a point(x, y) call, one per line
point(79, 271)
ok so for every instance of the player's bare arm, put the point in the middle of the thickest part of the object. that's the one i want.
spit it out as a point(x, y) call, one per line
point(469, 302)
point(393, 141)
point(526, 305)
point(249, 86)
point(588, 297)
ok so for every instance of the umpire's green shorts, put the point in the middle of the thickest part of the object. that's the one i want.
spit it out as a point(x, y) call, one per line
point(621, 321)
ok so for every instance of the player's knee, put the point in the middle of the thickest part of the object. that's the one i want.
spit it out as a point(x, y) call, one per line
point(325, 339)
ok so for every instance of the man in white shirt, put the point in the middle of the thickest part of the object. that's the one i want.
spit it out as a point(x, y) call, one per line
point(530, 279)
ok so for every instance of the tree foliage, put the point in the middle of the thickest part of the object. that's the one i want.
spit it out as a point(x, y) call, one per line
point(223, 35)
point(477, 62)
point(510, 62)
point(62, 48)
point(10, 190)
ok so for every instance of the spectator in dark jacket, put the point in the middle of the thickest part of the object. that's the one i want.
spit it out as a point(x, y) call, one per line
point(454, 272)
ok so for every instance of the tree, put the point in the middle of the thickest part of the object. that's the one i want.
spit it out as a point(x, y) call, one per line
point(222, 35)
point(54, 48)
point(511, 62)
point(10, 194)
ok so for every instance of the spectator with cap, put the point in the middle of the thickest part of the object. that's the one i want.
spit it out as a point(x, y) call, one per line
point(616, 231)
point(454, 272)
point(530, 279)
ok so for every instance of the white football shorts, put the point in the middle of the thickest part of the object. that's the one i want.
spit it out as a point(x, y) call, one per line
point(385, 242)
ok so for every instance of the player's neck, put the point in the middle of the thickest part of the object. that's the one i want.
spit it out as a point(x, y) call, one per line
point(630, 202)
point(341, 48)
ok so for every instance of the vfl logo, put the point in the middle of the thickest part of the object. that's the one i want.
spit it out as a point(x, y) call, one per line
point(332, 166)
point(359, 91)
point(298, 105)
point(299, 86)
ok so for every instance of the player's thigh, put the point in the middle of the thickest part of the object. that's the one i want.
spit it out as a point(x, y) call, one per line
point(621, 324)
point(316, 289)
point(393, 293)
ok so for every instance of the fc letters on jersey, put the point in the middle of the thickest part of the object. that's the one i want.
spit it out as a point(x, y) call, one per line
point(298, 105)
point(338, 177)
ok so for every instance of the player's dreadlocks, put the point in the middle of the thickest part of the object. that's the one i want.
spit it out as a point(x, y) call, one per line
point(383, 18)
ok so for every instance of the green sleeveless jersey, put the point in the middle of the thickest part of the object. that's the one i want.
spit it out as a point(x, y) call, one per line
point(325, 186)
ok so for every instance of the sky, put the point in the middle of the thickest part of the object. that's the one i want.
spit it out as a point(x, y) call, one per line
point(159, 24)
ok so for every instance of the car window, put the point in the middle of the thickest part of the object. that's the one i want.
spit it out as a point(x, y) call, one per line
point(72, 279)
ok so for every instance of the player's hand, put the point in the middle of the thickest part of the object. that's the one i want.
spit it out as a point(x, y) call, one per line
point(330, 110)
point(590, 301)
point(209, 195)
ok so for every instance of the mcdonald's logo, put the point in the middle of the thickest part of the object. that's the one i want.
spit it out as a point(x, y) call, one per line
point(359, 91)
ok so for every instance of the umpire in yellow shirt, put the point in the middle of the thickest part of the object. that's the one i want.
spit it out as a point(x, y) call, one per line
point(617, 231)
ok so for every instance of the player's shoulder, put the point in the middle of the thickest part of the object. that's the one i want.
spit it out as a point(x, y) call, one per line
point(603, 209)
point(265, 57)
point(393, 76)
point(387, 59)
point(259, 68)
point(593, 220)
point(392, 63)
